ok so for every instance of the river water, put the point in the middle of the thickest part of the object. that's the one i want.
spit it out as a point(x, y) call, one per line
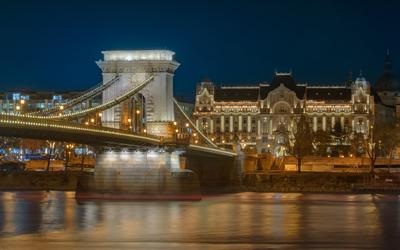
point(55, 220)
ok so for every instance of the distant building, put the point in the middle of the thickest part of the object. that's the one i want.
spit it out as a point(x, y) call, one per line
point(30, 101)
point(265, 115)
point(387, 88)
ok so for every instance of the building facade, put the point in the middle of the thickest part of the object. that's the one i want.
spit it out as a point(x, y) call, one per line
point(31, 101)
point(265, 115)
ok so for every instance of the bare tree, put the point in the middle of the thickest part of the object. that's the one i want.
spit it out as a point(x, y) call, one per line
point(390, 139)
point(303, 140)
point(321, 140)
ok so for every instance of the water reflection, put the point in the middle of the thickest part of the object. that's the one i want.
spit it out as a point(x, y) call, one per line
point(248, 219)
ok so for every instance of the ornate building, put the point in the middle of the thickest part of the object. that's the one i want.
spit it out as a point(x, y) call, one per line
point(265, 115)
point(387, 88)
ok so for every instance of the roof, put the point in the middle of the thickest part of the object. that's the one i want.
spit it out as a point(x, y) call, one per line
point(387, 81)
point(236, 94)
point(285, 79)
point(329, 93)
point(298, 89)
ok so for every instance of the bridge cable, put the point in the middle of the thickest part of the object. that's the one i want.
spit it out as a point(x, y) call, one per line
point(103, 106)
point(97, 89)
point(194, 125)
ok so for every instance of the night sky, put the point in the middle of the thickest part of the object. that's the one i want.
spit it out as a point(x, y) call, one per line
point(52, 45)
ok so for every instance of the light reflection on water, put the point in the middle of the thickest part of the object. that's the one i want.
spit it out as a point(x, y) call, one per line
point(236, 221)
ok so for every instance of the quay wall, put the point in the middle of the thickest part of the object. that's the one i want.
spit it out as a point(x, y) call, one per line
point(35, 181)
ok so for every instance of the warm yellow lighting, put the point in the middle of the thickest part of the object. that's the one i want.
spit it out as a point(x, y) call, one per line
point(194, 134)
point(100, 114)
point(175, 123)
point(137, 111)
point(212, 139)
point(17, 107)
point(187, 124)
point(145, 130)
point(223, 141)
point(129, 119)
point(269, 145)
point(176, 130)
point(196, 141)
point(61, 107)
point(92, 120)
point(22, 102)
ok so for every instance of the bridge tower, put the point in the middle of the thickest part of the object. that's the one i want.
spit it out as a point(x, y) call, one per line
point(152, 110)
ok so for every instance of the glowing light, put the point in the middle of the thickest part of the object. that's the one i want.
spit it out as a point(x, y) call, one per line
point(129, 119)
point(100, 114)
point(175, 123)
point(194, 134)
point(176, 130)
point(22, 101)
point(17, 107)
point(137, 111)
point(196, 141)
point(86, 123)
point(223, 141)
point(61, 107)
point(144, 130)
point(92, 120)
point(137, 55)
point(187, 125)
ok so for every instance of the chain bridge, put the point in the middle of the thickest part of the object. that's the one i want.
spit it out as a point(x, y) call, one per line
point(137, 109)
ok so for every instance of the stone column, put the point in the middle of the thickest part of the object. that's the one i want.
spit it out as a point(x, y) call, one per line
point(324, 123)
point(231, 123)
point(211, 126)
point(270, 127)
point(333, 122)
point(352, 125)
point(342, 122)
point(240, 123)
point(248, 124)
point(222, 123)
point(258, 127)
point(197, 123)
point(315, 124)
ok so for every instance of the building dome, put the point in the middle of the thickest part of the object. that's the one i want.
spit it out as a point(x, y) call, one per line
point(387, 81)
point(361, 82)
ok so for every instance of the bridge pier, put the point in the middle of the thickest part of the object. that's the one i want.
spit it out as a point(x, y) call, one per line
point(214, 171)
point(150, 175)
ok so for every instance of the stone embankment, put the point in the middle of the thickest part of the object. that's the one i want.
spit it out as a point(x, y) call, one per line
point(319, 182)
point(29, 180)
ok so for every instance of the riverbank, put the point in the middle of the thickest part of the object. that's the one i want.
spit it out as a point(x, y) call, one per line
point(36, 181)
point(173, 184)
point(320, 182)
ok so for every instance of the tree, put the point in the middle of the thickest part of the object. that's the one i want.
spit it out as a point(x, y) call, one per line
point(321, 140)
point(389, 140)
point(303, 140)
point(379, 139)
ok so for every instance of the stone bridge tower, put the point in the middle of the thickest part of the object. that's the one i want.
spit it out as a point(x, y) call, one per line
point(152, 110)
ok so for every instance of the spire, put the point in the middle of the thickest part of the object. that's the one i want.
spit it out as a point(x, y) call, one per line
point(349, 79)
point(388, 62)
